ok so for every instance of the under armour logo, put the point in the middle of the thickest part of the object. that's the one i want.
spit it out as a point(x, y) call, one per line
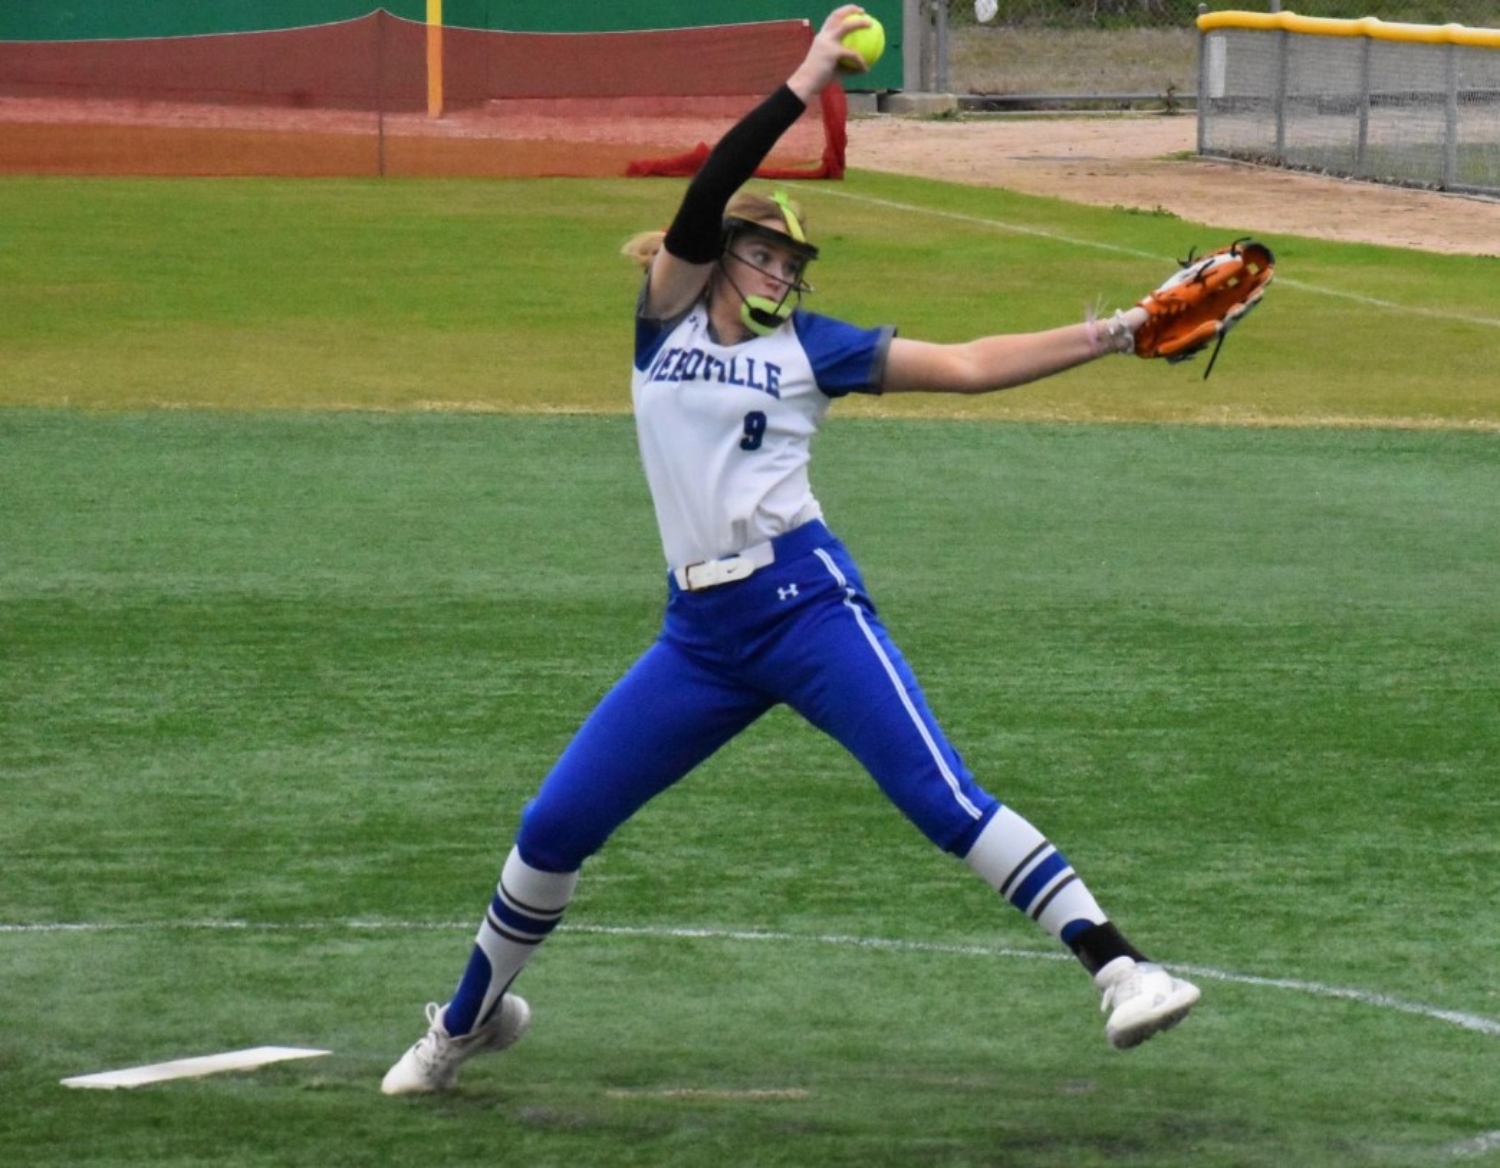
point(786, 593)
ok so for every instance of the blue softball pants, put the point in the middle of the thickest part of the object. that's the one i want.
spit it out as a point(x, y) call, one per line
point(801, 631)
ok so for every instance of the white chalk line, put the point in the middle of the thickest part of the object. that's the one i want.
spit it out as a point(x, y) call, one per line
point(1471, 1148)
point(1465, 1021)
point(1115, 249)
point(1478, 1146)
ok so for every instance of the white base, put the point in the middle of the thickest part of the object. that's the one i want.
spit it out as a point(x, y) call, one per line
point(192, 1068)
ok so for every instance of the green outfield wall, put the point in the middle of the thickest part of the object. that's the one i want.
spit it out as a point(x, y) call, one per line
point(51, 20)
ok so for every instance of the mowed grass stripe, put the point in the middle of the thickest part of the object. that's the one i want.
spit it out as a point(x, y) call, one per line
point(511, 296)
point(299, 667)
point(993, 224)
point(709, 934)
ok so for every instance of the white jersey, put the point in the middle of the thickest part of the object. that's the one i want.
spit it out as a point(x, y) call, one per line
point(725, 430)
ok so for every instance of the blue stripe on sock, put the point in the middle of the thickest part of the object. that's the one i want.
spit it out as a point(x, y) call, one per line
point(1021, 867)
point(509, 917)
point(460, 1015)
point(1040, 876)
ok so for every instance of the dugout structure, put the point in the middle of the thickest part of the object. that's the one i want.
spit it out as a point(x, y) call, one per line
point(381, 95)
point(1412, 105)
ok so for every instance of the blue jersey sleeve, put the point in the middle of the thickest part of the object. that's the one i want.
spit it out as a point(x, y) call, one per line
point(845, 358)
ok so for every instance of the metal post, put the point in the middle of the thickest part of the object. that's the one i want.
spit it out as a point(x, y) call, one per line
point(1450, 135)
point(914, 45)
point(1204, 96)
point(1362, 149)
point(1283, 49)
point(940, 63)
point(434, 58)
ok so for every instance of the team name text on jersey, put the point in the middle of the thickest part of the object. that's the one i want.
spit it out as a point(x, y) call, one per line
point(679, 364)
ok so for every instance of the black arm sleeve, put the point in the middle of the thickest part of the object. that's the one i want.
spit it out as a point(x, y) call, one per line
point(695, 233)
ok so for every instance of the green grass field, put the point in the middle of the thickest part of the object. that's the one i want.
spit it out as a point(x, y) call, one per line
point(278, 676)
point(507, 296)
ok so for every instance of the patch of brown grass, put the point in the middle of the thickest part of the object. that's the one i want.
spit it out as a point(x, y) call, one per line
point(1072, 61)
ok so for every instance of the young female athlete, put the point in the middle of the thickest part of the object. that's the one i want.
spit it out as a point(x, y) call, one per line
point(764, 605)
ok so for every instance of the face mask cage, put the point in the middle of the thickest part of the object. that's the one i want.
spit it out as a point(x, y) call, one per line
point(760, 314)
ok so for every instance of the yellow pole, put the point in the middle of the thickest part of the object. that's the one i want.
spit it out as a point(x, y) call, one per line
point(434, 58)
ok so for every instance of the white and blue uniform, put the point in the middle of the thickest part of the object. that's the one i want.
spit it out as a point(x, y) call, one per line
point(725, 433)
point(764, 607)
point(725, 430)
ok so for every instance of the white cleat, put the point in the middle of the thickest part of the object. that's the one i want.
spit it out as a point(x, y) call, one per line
point(1143, 999)
point(433, 1063)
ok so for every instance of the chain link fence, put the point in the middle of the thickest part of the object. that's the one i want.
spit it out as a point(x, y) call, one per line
point(1412, 105)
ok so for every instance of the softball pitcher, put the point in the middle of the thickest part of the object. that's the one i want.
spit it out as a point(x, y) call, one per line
point(764, 604)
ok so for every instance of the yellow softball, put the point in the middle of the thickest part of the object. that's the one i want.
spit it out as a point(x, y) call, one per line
point(869, 43)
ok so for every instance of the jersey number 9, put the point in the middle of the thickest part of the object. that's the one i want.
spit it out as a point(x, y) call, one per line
point(755, 430)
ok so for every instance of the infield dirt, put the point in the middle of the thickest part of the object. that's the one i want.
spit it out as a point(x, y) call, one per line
point(1149, 162)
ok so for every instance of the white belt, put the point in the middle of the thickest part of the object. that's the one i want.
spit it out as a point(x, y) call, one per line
point(712, 573)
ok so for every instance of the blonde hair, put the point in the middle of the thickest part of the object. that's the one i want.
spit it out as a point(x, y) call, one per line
point(641, 249)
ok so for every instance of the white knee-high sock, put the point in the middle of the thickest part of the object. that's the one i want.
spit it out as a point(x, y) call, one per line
point(1019, 863)
point(527, 905)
